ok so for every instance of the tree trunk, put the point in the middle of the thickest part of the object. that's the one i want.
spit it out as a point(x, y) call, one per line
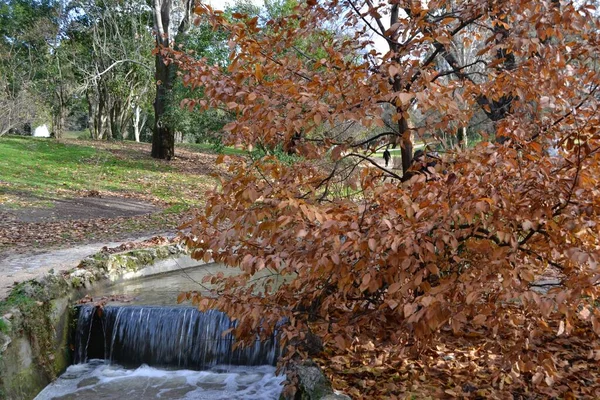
point(178, 137)
point(136, 123)
point(163, 144)
point(118, 119)
point(404, 133)
point(163, 140)
point(58, 121)
point(406, 143)
point(100, 114)
point(461, 137)
point(92, 106)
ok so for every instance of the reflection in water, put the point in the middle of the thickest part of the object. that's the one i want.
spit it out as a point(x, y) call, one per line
point(158, 290)
point(98, 380)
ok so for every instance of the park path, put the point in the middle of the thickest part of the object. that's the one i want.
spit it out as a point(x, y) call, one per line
point(16, 268)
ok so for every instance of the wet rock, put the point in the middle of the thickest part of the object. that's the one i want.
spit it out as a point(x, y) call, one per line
point(211, 385)
point(312, 383)
point(34, 346)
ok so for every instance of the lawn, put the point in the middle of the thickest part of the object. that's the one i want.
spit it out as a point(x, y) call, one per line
point(397, 151)
point(212, 149)
point(34, 172)
point(45, 168)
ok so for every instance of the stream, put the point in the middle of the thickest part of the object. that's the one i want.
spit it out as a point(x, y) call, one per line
point(152, 348)
point(98, 379)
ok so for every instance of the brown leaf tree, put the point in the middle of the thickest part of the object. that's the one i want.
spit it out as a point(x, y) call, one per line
point(498, 241)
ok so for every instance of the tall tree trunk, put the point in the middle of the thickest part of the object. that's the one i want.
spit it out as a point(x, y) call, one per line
point(163, 140)
point(404, 136)
point(58, 119)
point(101, 111)
point(136, 123)
point(117, 119)
point(406, 143)
point(163, 143)
point(178, 137)
point(461, 137)
point(58, 122)
point(92, 106)
point(60, 101)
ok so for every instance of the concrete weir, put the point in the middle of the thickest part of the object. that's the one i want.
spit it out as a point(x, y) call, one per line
point(36, 317)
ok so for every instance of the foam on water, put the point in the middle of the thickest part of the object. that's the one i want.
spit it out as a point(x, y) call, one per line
point(100, 380)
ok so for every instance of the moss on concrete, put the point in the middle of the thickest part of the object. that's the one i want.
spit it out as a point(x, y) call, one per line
point(24, 384)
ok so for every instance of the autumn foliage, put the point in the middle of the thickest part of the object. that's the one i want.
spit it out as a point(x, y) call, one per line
point(493, 250)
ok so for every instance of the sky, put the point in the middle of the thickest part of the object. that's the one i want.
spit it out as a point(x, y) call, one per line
point(380, 43)
point(221, 4)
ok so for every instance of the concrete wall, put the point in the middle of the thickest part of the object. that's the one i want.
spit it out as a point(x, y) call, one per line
point(36, 319)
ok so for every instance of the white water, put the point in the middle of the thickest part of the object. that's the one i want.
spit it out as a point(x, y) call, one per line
point(99, 380)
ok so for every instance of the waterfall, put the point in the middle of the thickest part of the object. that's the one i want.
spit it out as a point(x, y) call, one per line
point(180, 337)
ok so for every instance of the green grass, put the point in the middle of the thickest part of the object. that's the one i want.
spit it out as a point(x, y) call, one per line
point(46, 168)
point(210, 148)
point(16, 299)
point(176, 208)
point(85, 134)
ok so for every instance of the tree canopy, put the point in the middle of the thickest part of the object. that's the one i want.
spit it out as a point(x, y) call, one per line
point(497, 241)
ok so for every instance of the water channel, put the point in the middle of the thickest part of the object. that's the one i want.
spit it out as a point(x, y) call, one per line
point(151, 348)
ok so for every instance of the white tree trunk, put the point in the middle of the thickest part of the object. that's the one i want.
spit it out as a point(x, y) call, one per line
point(136, 124)
point(462, 137)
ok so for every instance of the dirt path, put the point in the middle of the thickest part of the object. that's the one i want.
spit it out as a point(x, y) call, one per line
point(36, 240)
point(64, 223)
point(77, 208)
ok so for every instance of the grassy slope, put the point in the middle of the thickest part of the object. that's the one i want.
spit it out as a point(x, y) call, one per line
point(209, 148)
point(43, 167)
point(33, 171)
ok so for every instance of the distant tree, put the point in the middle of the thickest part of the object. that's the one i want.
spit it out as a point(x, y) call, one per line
point(202, 41)
point(27, 29)
point(116, 76)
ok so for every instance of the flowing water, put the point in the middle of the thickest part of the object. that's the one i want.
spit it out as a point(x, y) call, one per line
point(115, 346)
point(97, 380)
point(181, 337)
point(163, 289)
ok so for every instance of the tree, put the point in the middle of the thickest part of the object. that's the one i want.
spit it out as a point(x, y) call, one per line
point(399, 260)
point(202, 41)
point(163, 140)
point(116, 77)
point(27, 30)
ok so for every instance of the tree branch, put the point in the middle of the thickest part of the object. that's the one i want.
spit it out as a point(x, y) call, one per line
point(121, 62)
point(387, 171)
